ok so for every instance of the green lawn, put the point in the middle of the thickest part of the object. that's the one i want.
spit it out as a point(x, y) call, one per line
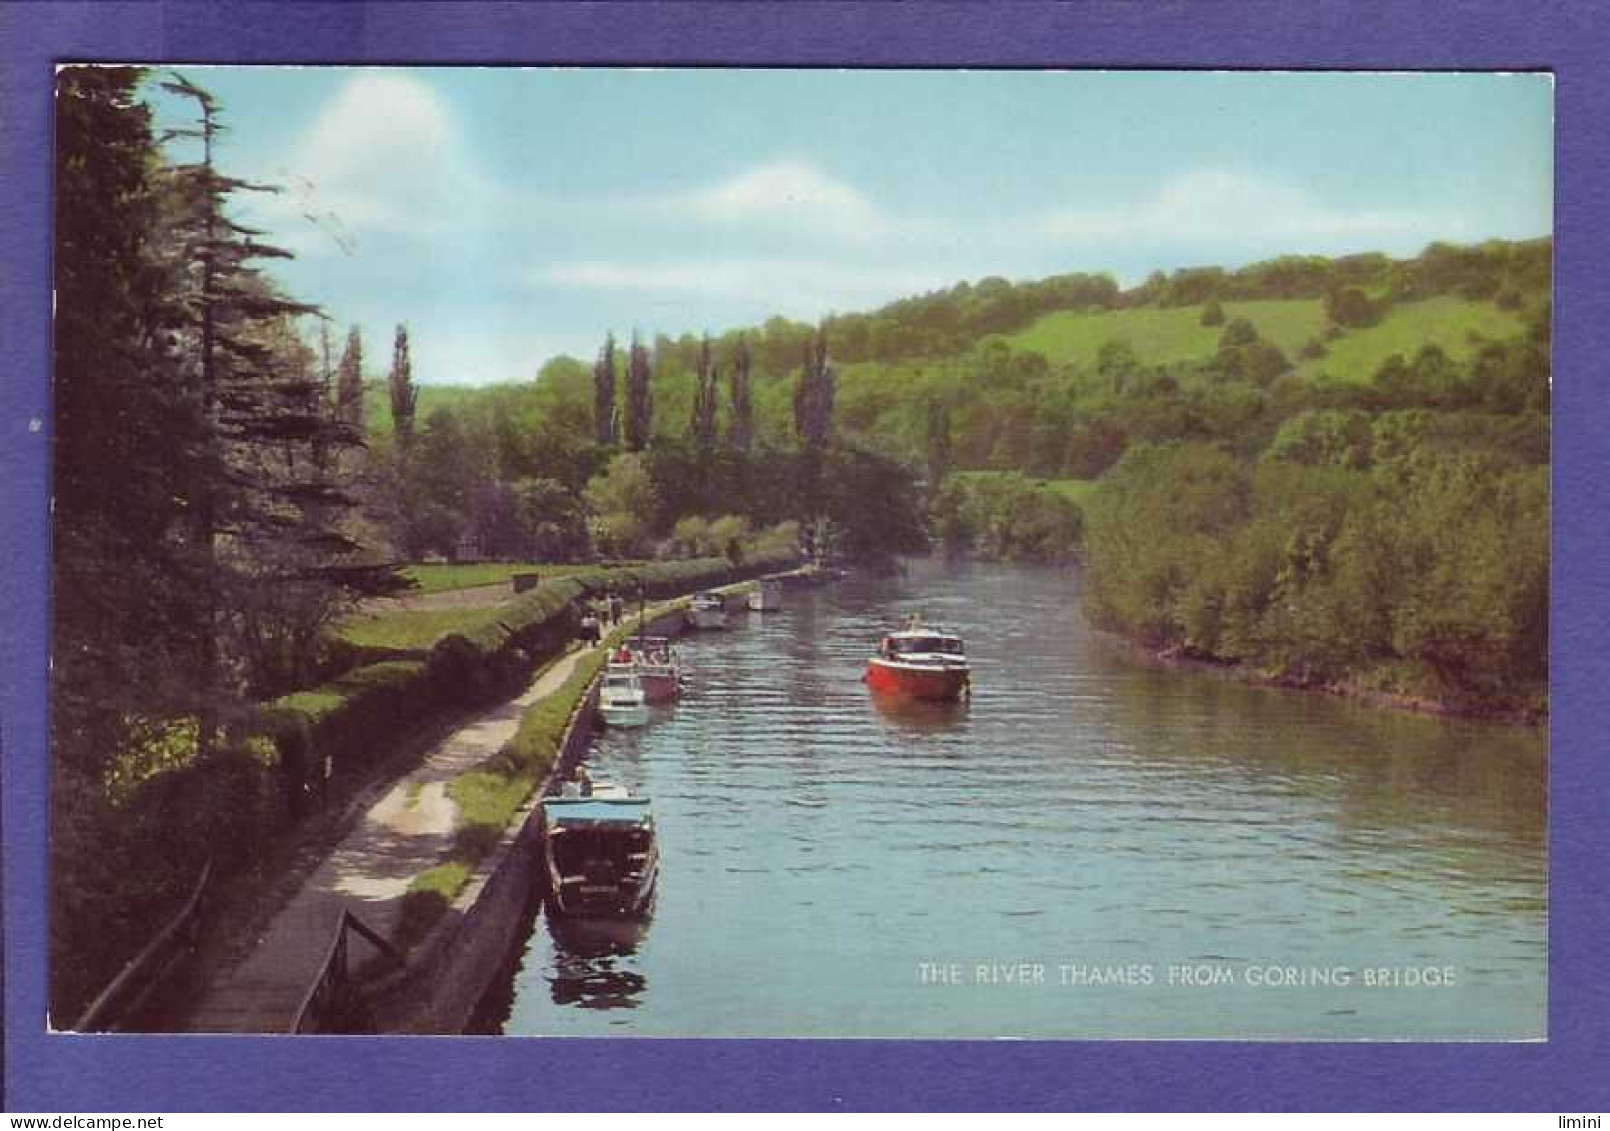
point(408, 630)
point(440, 577)
point(1444, 321)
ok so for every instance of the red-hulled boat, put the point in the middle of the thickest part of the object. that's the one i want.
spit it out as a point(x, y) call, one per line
point(920, 663)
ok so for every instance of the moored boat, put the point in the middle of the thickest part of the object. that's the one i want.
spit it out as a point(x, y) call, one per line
point(920, 663)
point(621, 700)
point(766, 596)
point(659, 669)
point(601, 852)
point(708, 610)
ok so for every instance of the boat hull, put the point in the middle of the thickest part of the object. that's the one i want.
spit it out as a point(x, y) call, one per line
point(917, 681)
point(766, 597)
point(624, 715)
point(660, 686)
point(706, 619)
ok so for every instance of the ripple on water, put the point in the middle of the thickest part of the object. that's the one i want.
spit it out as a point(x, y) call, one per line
point(818, 843)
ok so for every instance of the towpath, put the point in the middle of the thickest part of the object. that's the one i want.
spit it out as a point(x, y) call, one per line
point(407, 831)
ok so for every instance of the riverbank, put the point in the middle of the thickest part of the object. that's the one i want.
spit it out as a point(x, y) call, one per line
point(466, 950)
point(260, 966)
point(1178, 658)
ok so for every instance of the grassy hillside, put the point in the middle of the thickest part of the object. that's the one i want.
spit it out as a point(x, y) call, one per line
point(1161, 336)
point(1453, 324)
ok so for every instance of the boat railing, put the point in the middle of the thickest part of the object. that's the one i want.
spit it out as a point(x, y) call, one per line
point(137, 984)
point(334, 1002)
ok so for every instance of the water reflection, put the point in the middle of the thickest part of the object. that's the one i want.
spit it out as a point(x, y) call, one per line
point(594, 960)
point(918, 716)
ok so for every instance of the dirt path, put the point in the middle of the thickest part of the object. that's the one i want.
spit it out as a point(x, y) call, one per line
point(409, 829)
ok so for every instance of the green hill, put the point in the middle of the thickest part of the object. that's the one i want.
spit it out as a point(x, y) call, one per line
point(1173, 335)
point(1164, 336)
point(1455, 325)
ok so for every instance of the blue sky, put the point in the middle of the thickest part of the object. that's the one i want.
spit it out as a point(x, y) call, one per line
point(508, 215)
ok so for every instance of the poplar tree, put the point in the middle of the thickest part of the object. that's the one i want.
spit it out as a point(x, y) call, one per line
point(813, 418)
point(349, 381)
point(703, 425)
point(639, 397)
point(404, 394)
point(741, 421)
point(604, 420)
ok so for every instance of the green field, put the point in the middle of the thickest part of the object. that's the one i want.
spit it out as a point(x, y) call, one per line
point(1161, 336)
point(1074, 490)
point(1446, 322)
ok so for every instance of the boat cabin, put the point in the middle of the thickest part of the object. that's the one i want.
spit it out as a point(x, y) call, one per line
point(921, 644)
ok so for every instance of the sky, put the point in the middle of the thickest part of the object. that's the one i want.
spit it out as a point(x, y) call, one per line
point(507, 215)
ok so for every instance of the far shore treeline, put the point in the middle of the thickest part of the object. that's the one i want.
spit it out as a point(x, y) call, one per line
point(1332, 471)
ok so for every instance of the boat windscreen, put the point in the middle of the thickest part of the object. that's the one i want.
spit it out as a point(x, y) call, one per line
point(925, 644)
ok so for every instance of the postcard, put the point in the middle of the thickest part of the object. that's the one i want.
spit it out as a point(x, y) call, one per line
point(596, 558)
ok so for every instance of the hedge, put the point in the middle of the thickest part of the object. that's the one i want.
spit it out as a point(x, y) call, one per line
point(348, 719)
point(342, 720)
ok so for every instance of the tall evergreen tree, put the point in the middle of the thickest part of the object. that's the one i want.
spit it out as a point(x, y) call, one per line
point(128, 444)
point(741, 422)
point(404, 395)
point(349, 381)
point(639, 397)
point(604, 419)
point(273, 523)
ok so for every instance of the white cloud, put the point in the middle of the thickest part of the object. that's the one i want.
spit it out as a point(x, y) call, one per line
point(786, 195)
point(1225, 208)
point(798, 288)
point(383, 157)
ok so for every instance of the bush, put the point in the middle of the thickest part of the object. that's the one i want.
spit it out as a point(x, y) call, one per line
point(345, 720)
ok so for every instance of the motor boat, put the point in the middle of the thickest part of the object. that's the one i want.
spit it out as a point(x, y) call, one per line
point(920, 663)
point(601, 852)
point(708, 610)
point(766, 596)
point(622, 701)
point(658, 667)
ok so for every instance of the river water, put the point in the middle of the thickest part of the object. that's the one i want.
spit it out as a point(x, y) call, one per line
point(1090, 848)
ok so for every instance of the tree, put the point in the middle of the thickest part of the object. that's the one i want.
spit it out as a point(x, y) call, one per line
point(604, 394)
point(404, 395)
point(125, 570)
point(814, 395)
point(1212, 313)
point(349, 381)
point(937, 443)
point(268, 519)
point(741, 421)
point(1350, 306)
point(813, 418)
point(703, 425)
point(625, 502)
point(639, 397)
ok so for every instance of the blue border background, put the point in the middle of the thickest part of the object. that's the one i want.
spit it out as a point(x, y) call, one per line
point(1568, 1073)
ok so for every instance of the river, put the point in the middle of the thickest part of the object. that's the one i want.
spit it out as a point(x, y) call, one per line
point(1090, 848)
